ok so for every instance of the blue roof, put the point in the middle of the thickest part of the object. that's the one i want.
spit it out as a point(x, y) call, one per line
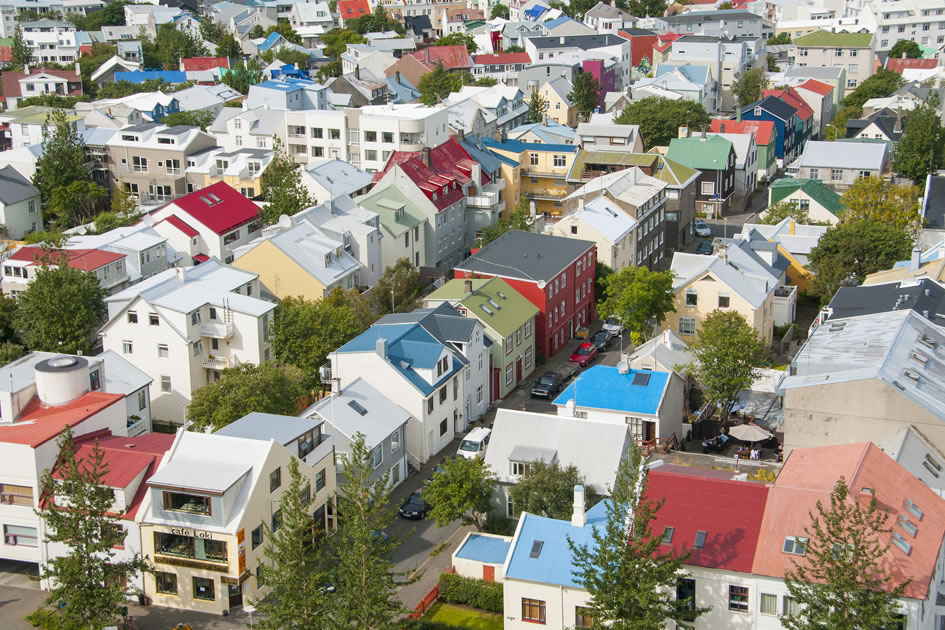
point(558, 21)
point(696, 74)
point(488, 549)
point(140, 76)
point(554, 565)
point(519, 146)
point(604, 387)
point(535, 12)
point(270, 41)
point(491, 163)
point(546, 132)
point(402, 91)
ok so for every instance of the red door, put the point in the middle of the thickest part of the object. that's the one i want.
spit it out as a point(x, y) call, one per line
point(488, 573)
point(518, 370)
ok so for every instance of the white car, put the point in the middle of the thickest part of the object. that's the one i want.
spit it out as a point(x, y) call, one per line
point(613, 326)
point(702, 228)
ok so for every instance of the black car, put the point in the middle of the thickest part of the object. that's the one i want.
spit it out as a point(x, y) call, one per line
point(602, 339)
point(547, 385)
point(441, 467)
point(414, 508)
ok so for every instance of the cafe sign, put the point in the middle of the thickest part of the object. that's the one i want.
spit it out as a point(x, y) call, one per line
point(193, 533)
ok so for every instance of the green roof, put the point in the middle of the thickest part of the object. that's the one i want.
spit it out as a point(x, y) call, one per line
point(839, 40)
point(815, 189)
point(671, 172)
point(514, 311)
point(703, 154)
point(36, 114)
point(386, 203)
point(6, 41)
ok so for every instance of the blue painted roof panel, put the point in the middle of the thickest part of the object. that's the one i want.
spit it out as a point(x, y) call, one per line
point(488, 549)
point(604, 387)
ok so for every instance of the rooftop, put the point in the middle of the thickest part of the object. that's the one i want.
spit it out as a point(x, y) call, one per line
point(268, 426)
point(826, 39)
point(526, 256)
point(604, 387)
point(343, 411)
point(780, 189)
point(484, 548)
point(38, 424)
point(507, 309)
point(709, 153)
point(820, 154)
point(219, 207)
point(84, 259)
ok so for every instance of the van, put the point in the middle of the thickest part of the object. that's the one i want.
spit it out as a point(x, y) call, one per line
point(475, 443)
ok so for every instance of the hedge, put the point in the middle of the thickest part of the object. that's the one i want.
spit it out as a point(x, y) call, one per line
point(455, 589)
point(426, 624)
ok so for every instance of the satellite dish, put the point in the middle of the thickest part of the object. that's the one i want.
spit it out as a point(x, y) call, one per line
point(541, 284)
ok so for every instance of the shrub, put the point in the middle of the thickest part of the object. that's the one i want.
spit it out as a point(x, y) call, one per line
point(456, 589)
point(46, 619)
point(500, 524)
point(425, 624)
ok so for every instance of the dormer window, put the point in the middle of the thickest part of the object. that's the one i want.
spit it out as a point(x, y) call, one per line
point(182, 502)
point(519, 468)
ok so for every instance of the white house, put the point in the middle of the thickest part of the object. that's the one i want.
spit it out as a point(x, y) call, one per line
point(20, 267)
point(20, 209)
point(51, 40)
point(146, 252)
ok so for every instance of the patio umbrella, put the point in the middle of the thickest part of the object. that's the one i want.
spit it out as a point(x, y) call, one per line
point(749, 433)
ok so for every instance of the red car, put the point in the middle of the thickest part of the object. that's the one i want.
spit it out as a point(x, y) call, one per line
point(584, 355)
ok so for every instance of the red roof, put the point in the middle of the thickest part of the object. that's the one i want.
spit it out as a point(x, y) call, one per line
point(11, 80)
point(793, 99)
point(817, 86)
point(763, 130)
point(181, 225)
point(449, 56)
point(220, 207)
point(204, 63)
point(729, 512)
point(84, 259)
point(351, 9)
point(200, 258)
point(38, 424)
point(431, 181)
point(6, 53)
point(665, 40)
point(501, 58)
point(898, 64)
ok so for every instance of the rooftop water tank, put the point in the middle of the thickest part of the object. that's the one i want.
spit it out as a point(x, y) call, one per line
point(62, 379)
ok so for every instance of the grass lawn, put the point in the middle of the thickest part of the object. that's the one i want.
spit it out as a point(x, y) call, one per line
point(464, 617)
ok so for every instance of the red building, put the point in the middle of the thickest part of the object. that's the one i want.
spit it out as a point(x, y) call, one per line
point(641, 44)
point(554, 273)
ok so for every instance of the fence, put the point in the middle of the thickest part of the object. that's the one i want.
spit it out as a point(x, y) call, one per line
point(425, 603)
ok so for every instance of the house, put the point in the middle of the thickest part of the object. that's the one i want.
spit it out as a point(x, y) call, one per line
point(622, 213)
point(212, 221)
point(763, 134)
point(242, 170)
point(146, 252)
point(204, 532)
point(853, 51)
point(784, 117)
point(328, 178)
point(878, 125)
point(794, 242)
point(746, 167)
point(106, 72)
point(541, 267)
point(933, 211)
point(539, 173)
point(559, 108)
point(20, 84)
point(921, 295)
point(51, 41)
point(665, 352)
point(361, 409)
point(819, 97)
point(133, 110)
point(804, 122)
point(615, 78)
point(508, 320)
point(415, 65)
point(404, 225)
point(647, 403)
point(605, 18)
point(691, 81)
point(596, 136)
point(741, 54)
point(520, 438)
point(543, 132)
point(181, 326)
point(352, 10)
point(821, 203)
point(20, 207)
point(834, 76)
point(21, 267)
point(838, 164)
point(502, 105)
point(503, 67)
point(714, 158)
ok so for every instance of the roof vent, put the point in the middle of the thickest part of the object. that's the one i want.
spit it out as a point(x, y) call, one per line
point(907, 525)
point(623, 367)
point(921, 359)
point(926, 341)
point(667, 536)
point(536, 548)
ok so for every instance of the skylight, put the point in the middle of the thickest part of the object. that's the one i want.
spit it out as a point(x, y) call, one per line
point(912, 509)
point(536, 548)
point(795, 545)
point(500, 294)
point(900, 542)
point(215, 198)
point(926, 341)
point(700, 540)
point(907, 525)
point(486, 309)
point(494, 304)
point(205, 200)
point(357, 407)
point(641, 378)
point(667, 536)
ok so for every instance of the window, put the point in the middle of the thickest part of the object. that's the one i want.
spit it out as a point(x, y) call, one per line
point(165, 383)
point(140, 164)
point(528, 329)
point(378, 456)
point(132, 316)
point(154, 319)
point(395, 441)
point(276, 520)
point(320, 480)
point(430, 404)
point(479, 394)
point(582, 617)
point(275, 479)
point(724, 300)
point(533, 610)
point(508, 374)
point(443, 427)
point(795, 545)
point(15, 495)
point(442, 395)
point(257, 536)
point(528, 358)
point(692, 297)
point(836, 174)
point(708, 188)
point(700, 540)
point(142, 399)
point(533, 159)
point(162, 351)
point(127, 347)
point(165, 583)
point(519, 468)
point(789, 606)
point(518, 337)
point(195, 318)
point(172, 167)
point(814, 173)
point(203, 588)
point(686, 592)
point(738, 598)
point(559, 160)
point(854, 68)
point(667, 536)
point(19, 536)
point(769, 604)
point(508, 344)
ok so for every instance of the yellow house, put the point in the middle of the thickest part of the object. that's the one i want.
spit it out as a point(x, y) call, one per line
point(538, 171)
point(300, 260)
point(560, 108)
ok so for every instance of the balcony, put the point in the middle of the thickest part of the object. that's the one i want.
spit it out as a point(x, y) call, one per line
point(785, 305)
point(137, 427)
point(552, 194)
point(216, 330)
point(484, 199)
point(498, 184)
point(216, 363)
point(322, 450)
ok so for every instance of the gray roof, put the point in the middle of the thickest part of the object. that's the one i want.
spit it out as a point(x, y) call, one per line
point(269, 426)
point(844, 155)
point(933, 210)
point(711, 16)
point(382, 416)
point(584, 42)
point(925, 297)
point(14, 187)
point(814, 72)
point(526, 255)
point(121, 376)
point(443, 322)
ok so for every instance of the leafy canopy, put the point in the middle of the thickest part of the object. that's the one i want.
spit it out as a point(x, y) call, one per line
point(499, 11)
point(881, 84)
point(398, 289)
point(63, 159)
point(169, 46)
point(639, 298)
point(520, 219)
point(876, 198)
point(905, 48)
point(838, 127)
point(461, 491)
point(748, 87)
point(585, 94)
point(202, 118)
point(776, 213)
point(548, 490)
point(660, 118)
point(922, 147)
point(537, 106)
point(282, 186)
point(336, 41)
point(458, 39)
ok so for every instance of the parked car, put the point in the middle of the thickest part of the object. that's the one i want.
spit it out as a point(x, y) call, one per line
point(705, 247)
point(475, 443)
point(702, 228)
point(414, 507)
point(584, 354)
point(602, 339)
point(582, 332)
point(547, 385)
point(613, 326)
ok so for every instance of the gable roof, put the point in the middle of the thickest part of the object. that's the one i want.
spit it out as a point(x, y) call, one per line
point(204, 63)
point(351, 9)
point(815, 189)
point(604, 387)
point(743, 273)
point(526, 256)
point(709, 153)
point(763, 130)
point(792, 98)
point(269, 426)
point(11, 79)
point(38, 424)
point(84, 259)
point(514, 310)
point(14, 187)
point(383, 417)
point(219, 207)
point(774, 106)
point(449, 56)
point(501, 58)
point(923, 296)
point(821, 154)
point(898, 64)
point(816, 86)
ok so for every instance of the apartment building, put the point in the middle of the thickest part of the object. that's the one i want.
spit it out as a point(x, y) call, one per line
point(146, 252)
point(618, 48)
point(714, 157)
point(20, 207)
point(538, 171)
point(21, 267)
point(727, 60)
point(503, 67)
point(51, 40)
point(921, 21)
point(242, 169)
point(855, 52)
point(382, 129)
point(182, 326)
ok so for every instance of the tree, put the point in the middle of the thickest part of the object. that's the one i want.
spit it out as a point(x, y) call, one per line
point(880, 84)
point(461, 491)
point(905, 48)
point(169, 45)
point(499, 11)
point(639, 298)
point(61, 309)
point(848, 252)
point(282, 186)
point(512, 49)
point(10, 351)
point(631, 580)
point(537, 106)
point(353, 300)
point(660, 118)
point(107, 221)
point(257, 32)
point(227, 46)
point(772, 63)
point(548, 490)
point(520, 220)
point(747, 89)
point(304, 332)
point(780, 39)
point(211, 31)
point(74, 204)
point(336, 41)
point(377, 22)
point(364, 566)
point(123, 204)
point(838, 127)
point(585, 94)
point(202, 118)
point(459, 39)
point(286, 55)
point(783, 209)
point(922, 147)
point(437, 84)
point(297, 571)
point(849, 589)
point(643, 8)
point(875, 198)
point(243, 75)
point(725, 6)
point(602, 271)
point(267, 388)
point(90, 579)
point(119, 89)
point(22, 54)
point(398, 288)
point(330, 69)
point(8, 308)
point(63, 160)
point(728, 354)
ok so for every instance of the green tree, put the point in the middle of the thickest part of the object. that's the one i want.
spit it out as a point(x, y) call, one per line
point(520, 220)
point(838, 126)
point(243, 75)
point(780, 39)
point(922, 147)
point(660, 118)
point(54, 238)
point(728, 355)
point(512, 49)
point(585, 94)
point(91, 578)
point(211, 31)
point(119, 89)
point(330, 69)
point(286, 55)
point(8, 309)
point(10, 351)
point(725, 6)
point(537, 106)
point(748, 88)
point(783, 209)
point(169, 46)
point(880, 84)
point(639, 298)
point(55, 101)
point(267, 388)
point(297, 570)
point(630, 578)
point(63, 160)
point(875, 198)
point(304, 332)
point(602, 271)
point(437, 84)
point(461, 491)
point(848, 252)
point(772, 63)
point(548, 490)
point(202, 118)
point(74, 204)
point(257, 32)
point(107, 221)
point(377, 22)
point(353, 300)
point(22, 54)
point(499, 11)
point(643, 8)
point(61, 309)
point(123, 204)
point(398, 288)
point(852, 589)
point(905, 48)
point(227, 46)
point(282, 186)
point(458, 39)
point(336, 41)
point(364, 567)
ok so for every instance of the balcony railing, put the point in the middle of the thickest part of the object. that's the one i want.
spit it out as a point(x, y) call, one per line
point(216, 330)
point(555, 195)
point(216, 363)
point(785, 292)
point(323, 450)
point(136, 427)
point(483, 200)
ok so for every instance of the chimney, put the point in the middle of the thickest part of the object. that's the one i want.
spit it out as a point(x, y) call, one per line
point(380, 346)
point(425, 155)
point(703, 135)
point(916, 258)
point(793, 226)
point(544, 120)
point(723, 252)
point(357, 72)
point(467, 286)
point(578, 517)
point(78, 70)
point(683, 132)
point(581, 203)
point(397, 76)
point(26, 69)
point(665, 337)
point(426, 55)
point(738, 113)
point(475, 173)
point(898, 126)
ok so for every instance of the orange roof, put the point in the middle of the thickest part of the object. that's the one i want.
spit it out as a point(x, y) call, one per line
point(38, 424)
point(793, 99)
point(763, 130)
point(84, 259)
point(816, 86)
point(450, 56)
point(898, 64)
point(808, 476)
point(352, 9)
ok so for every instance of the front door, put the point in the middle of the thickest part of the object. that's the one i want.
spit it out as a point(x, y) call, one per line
point(488, 573)
point(649, 430)
point(518, 370)
point(571, 329)
point(236, 595)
